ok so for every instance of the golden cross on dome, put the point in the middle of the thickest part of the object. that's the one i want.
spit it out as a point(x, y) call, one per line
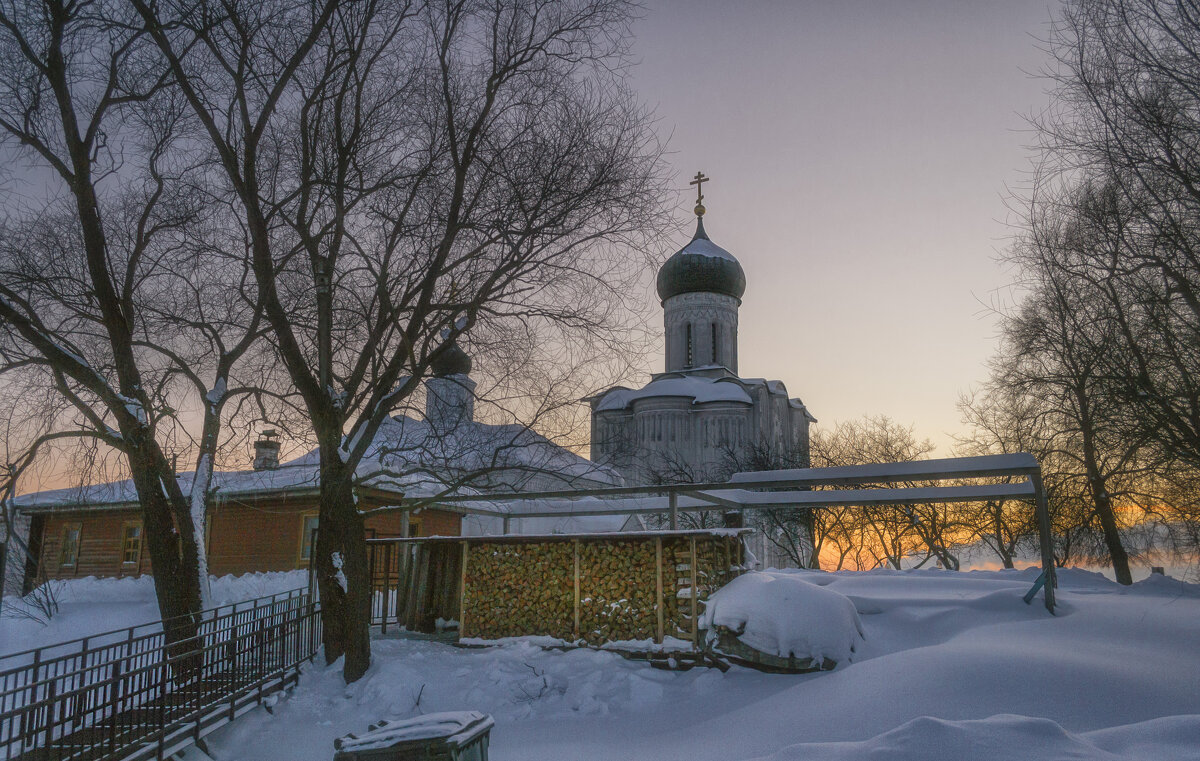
point(699, 183)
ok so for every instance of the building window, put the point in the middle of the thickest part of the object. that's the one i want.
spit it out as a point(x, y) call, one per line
point(131, 543)
point(68, 556)
point(308, 527)
point(414, 527)
point(688, 332)
point(714, 343)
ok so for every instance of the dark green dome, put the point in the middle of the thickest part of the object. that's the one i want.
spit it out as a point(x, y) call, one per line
point(701, 266)
point(452, 361)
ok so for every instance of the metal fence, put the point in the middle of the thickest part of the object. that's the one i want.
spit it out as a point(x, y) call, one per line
point(127, 694)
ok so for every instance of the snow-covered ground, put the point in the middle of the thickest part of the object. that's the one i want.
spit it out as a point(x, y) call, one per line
point(90, 605)
point(953, 665)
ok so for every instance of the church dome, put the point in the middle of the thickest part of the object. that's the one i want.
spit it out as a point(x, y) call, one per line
point(452, 361)
point(701, 266)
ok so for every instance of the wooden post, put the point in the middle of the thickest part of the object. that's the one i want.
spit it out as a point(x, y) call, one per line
point(462, 593)
point(404, 523)
point(575, 552)
point(372, 571)
point(402, 552)
point(385, 587)
point(673, 501)
point(658, 605)
point(695, 597)
point(1044, 535)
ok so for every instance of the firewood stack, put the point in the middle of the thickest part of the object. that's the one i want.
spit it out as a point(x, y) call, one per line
point(595, 590)
point(514, 590)
point(617, 591)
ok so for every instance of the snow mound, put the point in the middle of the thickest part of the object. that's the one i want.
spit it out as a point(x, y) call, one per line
point(1010, 738)
point(91, 605)
point(131, 589)
point(784, 615)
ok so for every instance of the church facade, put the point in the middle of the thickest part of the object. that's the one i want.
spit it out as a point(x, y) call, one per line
point(699, 419)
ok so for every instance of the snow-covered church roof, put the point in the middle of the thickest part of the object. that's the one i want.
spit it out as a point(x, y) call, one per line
point(698, 388)
point(416, 457)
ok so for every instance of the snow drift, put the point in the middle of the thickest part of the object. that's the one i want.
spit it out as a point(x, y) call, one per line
point(92, 605)
point(1010, 738)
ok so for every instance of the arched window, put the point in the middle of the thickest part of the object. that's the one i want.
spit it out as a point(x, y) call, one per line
point(689, 345)
point(714, 344)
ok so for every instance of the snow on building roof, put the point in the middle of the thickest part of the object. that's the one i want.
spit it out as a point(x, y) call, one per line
point(701, 390)
point(409, 455)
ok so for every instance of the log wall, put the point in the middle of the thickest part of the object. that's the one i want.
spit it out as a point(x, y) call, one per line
point(243, 537)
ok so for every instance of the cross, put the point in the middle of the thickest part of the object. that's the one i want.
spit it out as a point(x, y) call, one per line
point(699, 183)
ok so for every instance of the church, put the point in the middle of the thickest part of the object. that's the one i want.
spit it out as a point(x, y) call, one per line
point(699, 420)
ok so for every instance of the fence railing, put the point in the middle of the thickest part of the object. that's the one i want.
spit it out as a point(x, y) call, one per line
point(128, 694)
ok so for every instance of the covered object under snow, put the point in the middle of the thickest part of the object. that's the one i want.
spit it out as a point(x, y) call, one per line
point(783, 620)
point(450, 736)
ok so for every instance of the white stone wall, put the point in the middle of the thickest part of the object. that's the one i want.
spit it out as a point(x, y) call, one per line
point(701, 312)
point(669, 437)
point(449, 400)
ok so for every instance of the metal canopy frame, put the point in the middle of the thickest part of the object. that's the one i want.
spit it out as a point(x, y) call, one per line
point(791, 489)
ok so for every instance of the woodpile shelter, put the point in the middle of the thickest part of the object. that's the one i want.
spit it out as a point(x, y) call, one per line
point(988, 478)
point(595, 588)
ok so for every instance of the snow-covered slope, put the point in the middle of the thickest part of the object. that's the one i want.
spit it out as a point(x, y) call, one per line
point(90, 605)
point(953, 665)
point(408, 454)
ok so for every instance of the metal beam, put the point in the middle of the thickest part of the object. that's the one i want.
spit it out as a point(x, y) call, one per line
point(713, 499)
point(987, 466)
point(894, 472)
point(909, 495)
point(806, 500)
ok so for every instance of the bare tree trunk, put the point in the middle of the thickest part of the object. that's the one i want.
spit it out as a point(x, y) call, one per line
point(340, 558)
point(1104, 511)
point(176, 587)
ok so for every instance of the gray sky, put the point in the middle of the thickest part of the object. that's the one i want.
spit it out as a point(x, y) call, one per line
point(859, 154)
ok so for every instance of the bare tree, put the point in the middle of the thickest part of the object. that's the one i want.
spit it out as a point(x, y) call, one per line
point(1003, 421)
point(1123, 136)
point(887, 534)
point(790, 530)
point(407, 174)
point(105, 295)
point(1058, 345)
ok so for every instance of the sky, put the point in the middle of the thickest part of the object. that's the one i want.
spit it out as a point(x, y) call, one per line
point(860, 156)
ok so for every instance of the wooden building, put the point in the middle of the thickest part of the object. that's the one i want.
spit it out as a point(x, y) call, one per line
point(270, 532)
point(263, 519)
